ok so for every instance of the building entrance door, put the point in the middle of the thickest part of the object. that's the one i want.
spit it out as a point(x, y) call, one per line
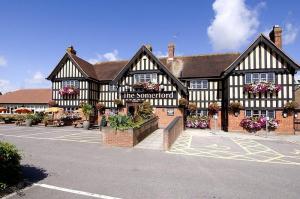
point(132, 108)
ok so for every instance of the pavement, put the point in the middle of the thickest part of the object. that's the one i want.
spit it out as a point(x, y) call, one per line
point(154, 141)
point(72, 163)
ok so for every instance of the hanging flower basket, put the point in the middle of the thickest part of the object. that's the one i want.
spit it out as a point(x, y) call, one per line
point(69, 90)
point(262, 87)
point(192, 107)
point(213, 108)
point(290, 106)
point(52, 103)
point(146, 86)
point(197, 122)
point(183, 103)
point(253, 124)
point(235, 107)
point(100, 107)
point(118, 102)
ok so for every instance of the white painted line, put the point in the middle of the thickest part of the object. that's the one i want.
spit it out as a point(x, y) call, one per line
point(94, 195)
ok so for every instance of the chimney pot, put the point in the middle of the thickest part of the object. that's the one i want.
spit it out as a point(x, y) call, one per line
point(171, 52)
point(276, 36)
point(71, 50)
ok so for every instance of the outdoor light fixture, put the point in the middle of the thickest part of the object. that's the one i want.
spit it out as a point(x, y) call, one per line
point(296, 115)
point(284, 114)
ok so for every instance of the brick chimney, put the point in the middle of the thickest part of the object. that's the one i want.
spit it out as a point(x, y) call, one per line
point(276, 36)
point(171, 52)
point(71, 50)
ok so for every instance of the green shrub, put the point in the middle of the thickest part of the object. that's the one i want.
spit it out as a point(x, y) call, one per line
point(121, 122)
point(87, 110)
point(145, 110)
point(103, 121)
point(10, 168)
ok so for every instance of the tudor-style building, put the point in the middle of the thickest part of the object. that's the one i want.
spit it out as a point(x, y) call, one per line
point(201, 79)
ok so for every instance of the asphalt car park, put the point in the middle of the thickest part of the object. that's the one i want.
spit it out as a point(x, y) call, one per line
point(67, 162)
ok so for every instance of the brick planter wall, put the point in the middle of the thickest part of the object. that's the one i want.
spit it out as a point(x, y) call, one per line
point(130, 137)
point(172, 131)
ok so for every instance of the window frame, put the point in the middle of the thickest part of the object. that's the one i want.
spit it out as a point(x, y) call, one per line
point(270, 77)
point(198, 84)
point(145, 77)
point(70, 83)
point(266, 113)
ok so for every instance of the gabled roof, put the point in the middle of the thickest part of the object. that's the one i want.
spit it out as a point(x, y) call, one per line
point(27, 96)
point(205, 66)
point(261, 39)
point(144, 50)
point(86, 69)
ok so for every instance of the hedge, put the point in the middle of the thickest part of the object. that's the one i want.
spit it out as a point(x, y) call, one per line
point(10, 168)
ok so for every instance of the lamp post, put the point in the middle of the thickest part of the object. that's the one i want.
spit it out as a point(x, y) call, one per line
point(267, 125)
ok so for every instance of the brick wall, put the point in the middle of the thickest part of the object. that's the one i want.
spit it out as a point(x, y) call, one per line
point(234, 122)
point(164, 119)
point(286, 125)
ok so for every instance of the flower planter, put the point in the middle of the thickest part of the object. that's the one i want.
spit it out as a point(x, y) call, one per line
point(129, 137)
point(86, 125)
point(28, 122)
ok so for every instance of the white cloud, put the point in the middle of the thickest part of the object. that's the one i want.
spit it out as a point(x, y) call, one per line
point(290, 33)
point(160, 54)
point(233, 25)
point(109, 56)
point(5, 86)
point(3, 61)
point(37, 78)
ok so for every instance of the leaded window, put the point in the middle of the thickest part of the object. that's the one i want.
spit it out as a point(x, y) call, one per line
point(199, 84)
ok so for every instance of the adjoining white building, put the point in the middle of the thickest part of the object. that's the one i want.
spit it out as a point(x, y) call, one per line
point(34, 99)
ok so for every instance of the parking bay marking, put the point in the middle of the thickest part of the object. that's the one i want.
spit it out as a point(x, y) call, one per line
point(94, 195)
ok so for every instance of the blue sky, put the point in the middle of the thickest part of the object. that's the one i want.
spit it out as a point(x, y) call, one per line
point(35, 34)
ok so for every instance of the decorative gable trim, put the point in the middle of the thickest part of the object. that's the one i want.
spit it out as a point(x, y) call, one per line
point(61, 64)
point(145, 50)
point(261, 39)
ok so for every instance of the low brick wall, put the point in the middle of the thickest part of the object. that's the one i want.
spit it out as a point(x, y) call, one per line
point(172, 131)
point(130, 137)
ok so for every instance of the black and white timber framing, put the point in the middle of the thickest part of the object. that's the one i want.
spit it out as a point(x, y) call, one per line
point(262, 56)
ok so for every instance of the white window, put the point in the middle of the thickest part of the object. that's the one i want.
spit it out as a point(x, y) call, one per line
point(259, 77)
point(69, 83)
point(112, 87)
point(263, 77)
point(248, 78)
point(271, 77)
point(200, 112)
point(257, 113)
point(147, 77)
point(199, 84)
point(255, 77)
